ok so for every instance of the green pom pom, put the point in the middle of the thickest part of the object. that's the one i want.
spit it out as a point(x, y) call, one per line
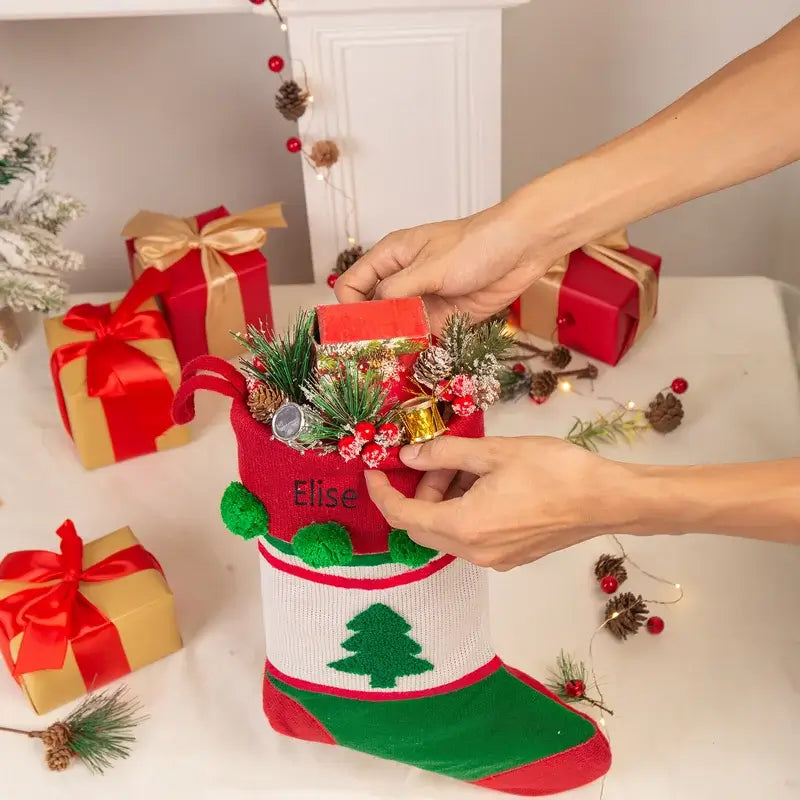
point(243, 513)
point(404, 550)
point(323, 544)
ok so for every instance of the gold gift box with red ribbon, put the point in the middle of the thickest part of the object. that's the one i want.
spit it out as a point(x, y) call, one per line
point(115, 373)
point(73, 621)
point(599, 299)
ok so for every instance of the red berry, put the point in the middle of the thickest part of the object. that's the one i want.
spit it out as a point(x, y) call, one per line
point(388, 435)
point(258, 2)
point(275, 63)
point(332, 278)
point(539, 400)
point(363, 367)
point(444, 392)
point(519, 368)
point(609, 584)
point(464, 406)
point(575, 688)
point(373, 454)
point(462, 385)
point(365, 431)
point(349, 447)
point(655, 625)
point(680, 385)
point(294, 145)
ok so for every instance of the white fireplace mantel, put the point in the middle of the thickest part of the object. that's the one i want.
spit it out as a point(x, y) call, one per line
point(409, 89)
point(411, 92)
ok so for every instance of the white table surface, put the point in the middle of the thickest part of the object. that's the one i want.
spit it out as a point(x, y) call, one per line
point(709, 709)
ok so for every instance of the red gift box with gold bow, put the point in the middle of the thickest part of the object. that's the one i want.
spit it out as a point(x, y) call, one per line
point(598, 300)
point(73, 621)
point(115, 373)
point(217, 274)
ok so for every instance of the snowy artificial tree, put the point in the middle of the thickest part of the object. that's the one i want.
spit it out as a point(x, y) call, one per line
point(31, 216)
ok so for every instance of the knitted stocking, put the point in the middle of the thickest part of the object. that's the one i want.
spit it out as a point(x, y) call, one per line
point(376, 643)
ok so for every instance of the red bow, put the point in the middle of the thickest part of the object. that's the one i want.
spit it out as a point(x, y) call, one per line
point(50, 616)
point(136, 394)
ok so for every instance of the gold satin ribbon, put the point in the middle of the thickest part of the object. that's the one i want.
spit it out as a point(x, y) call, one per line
point(161, 240)
point(539, 305)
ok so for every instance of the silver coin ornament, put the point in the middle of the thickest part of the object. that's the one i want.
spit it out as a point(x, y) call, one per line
point(288, 423)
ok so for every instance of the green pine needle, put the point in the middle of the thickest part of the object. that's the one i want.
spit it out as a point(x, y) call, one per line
point(513, 384)
point(102, 728)
point(339, 402)
point(623, 425)
point(473, 347)
point(288, 359)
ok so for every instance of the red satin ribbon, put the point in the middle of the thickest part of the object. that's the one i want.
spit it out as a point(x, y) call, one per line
point(50, 617)
point(135, 393)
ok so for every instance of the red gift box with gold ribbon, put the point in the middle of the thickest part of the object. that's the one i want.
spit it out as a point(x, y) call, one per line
point(217, 275)
point(115, 373)
point(75, 620)
point(598, 300)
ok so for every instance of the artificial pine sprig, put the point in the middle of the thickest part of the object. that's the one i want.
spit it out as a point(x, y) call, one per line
point(475, 349)
point(568, 682)
point(340, 401)
point(99, 731)
point(622, 425)
point(284, 361)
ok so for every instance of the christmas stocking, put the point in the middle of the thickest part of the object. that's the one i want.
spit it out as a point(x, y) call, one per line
point(374, 642)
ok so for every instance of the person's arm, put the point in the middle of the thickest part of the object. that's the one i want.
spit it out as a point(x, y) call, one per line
point(742, 122)
point(503, 502)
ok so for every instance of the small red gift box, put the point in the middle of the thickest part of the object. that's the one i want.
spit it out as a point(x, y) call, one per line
point(385, 336)
point(218, 280)
point(598, 300)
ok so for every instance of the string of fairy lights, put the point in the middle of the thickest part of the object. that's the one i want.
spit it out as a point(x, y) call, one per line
point(295, 102)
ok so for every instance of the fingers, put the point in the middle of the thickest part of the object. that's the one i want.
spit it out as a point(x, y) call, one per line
point(478, 456)
point(420, 518)
point(391, 255)
point(434, 485)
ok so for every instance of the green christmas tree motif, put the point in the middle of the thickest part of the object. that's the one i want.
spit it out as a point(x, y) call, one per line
point(382, 648)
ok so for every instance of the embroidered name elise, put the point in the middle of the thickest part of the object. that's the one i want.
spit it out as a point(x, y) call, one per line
point(313, 493)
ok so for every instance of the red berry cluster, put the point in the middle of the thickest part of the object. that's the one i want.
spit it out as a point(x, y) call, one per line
point(369, 443)
point(459, 392)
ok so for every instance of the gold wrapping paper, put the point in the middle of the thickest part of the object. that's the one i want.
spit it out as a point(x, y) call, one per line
point(89, 425)
point(161, 240)
point(140, 605)
point(539, 303)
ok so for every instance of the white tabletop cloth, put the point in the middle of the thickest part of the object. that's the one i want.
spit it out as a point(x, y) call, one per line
point(709, 709)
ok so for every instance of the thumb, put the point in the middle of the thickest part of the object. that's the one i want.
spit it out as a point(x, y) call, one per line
point(478, 456)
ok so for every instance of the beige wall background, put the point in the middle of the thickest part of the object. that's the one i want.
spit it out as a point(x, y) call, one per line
point(175, 114)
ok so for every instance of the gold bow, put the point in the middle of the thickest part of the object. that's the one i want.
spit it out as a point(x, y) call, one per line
point(539, 307)
point(161, 240)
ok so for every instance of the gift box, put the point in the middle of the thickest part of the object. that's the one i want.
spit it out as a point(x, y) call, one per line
point(598, 300)
point(217, 275)
point(73, 621)
point(385, 336)
point(115, 372)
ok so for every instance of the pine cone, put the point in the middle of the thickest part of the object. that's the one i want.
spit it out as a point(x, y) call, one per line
point(59, 758)
point(665, 413)
point(263, 401)
point(56, 736)
point(610, 565)
point(631, 613)
point(559, 356)
point(433, 365)
point(347, 258)
point(324, 153)
point(543, 384)
point(291, 100)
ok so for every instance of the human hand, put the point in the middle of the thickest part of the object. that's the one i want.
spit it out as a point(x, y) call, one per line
point(479, 264)
point(502, 502)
